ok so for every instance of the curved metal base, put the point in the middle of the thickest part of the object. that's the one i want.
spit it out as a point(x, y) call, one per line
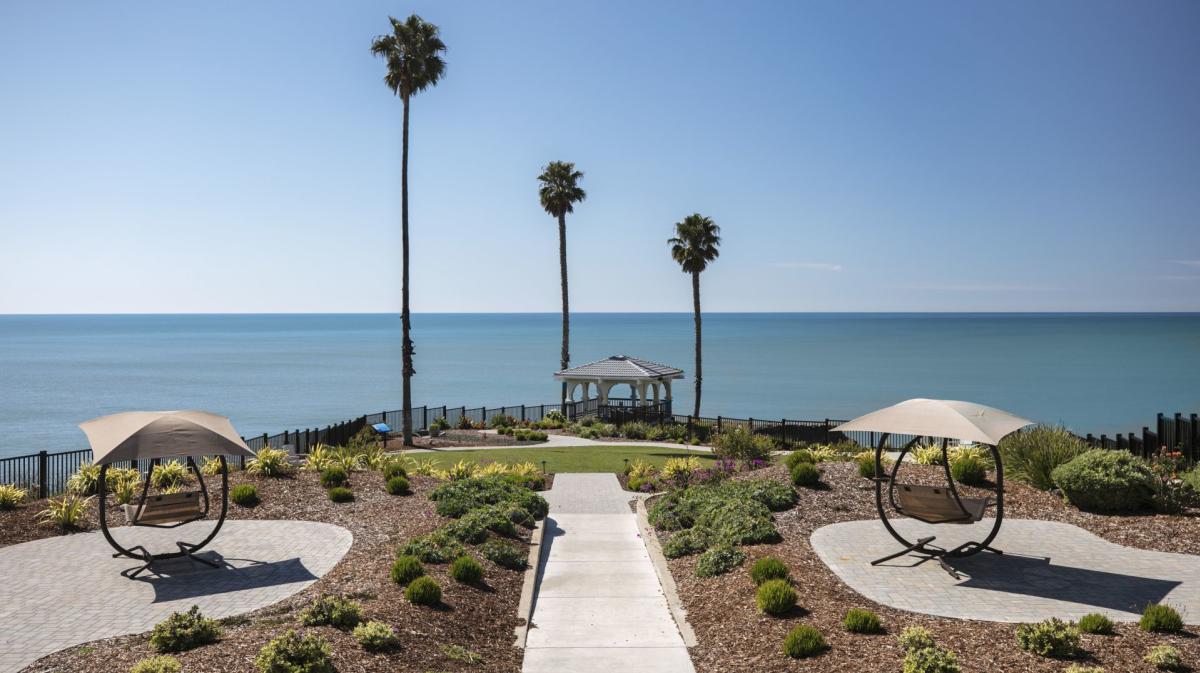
point(186, 549)
point(922, 546)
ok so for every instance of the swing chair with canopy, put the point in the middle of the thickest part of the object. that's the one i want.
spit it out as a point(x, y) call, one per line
point(944, 419)
point(153, 436)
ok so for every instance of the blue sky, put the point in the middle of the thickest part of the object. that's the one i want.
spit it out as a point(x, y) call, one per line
point(230, 156)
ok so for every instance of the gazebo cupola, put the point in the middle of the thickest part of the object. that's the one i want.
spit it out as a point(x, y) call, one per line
point(649, 382)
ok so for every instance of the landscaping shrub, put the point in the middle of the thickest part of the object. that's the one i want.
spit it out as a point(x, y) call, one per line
point(440, 423)
point(376, 636)
point(719, 560)
point(393, 468)
point(858, 620)
point(798, 456)
point(269, 462)
point(1076, 668)
point(806, 475)
point(435, 547)
point(184, 631)
point(423, 591)
point(931, 660)
point(496, 518)
point(502, 421)
point(738, 443)
point(405, 569)
point(968, 470)
point(10, 496)
point(1164, 658)
point(768, 568)
point(332, 611)
point(66, 512)
point(333, 476)
point(504, 554)
point(1161, 619)
point(85, 480)
point(170, 475)
point(915, 638)
point(1192, 478)
point(803, 641)
point(1032, 455)
point(162, 663)
point(292, 653)
point(1050, 638)
point(866, 466)
point(341, 494)
point(456, 498)
point(1095, 623)
point(685, 543)
point(244, 495)
point(398, 485)
point(929, 454)
point(456, 652)
point(776, 597)
point(737, 521)
point(635, 430)
point(1106, 481)
point(730, 512)
point(467, 570)
point(467, 529)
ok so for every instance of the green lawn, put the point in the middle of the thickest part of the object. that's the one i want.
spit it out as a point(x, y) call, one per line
point(568, 458)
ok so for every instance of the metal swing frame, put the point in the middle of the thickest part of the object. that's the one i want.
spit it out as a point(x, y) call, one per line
point(923, 546)
point(186, 549)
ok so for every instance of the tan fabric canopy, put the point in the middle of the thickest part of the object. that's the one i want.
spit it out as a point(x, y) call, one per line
point(140, 435)
point(940, 418)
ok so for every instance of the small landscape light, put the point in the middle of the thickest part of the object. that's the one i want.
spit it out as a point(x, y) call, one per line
point(543, 467)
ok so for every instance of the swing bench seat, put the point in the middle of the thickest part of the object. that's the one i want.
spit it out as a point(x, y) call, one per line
point(935, 504)
point(171, 508)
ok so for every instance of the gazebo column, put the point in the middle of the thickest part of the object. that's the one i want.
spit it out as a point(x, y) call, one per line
point(667, 388)
point(585, 385)
point(602, 388)
point(655, 386)
point(642, 393)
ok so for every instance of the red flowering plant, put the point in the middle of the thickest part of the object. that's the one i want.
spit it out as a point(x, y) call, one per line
point(1172, 495)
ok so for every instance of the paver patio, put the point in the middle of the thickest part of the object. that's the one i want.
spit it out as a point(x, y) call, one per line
point(67, 590)
point(598, 604)
point(1048, 569)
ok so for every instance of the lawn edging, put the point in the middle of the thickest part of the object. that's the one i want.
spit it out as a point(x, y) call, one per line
point(532, 568)
point(665, 580)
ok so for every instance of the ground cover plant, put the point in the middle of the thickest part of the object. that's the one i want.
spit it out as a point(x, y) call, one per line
point(184, 631)
point(727, 513)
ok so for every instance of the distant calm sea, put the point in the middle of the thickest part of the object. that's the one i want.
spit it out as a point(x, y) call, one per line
point(1093, 372)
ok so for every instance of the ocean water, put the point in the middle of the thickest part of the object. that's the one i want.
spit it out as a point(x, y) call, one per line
point(1093, 372)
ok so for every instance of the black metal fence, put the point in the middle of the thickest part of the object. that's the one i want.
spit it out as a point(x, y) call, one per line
point(45, 474)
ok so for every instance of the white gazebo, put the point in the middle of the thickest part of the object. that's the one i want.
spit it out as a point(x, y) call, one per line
point(649, 382)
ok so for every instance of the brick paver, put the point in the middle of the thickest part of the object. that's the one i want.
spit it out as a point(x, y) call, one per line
point(1048, 569)
point(67, 590)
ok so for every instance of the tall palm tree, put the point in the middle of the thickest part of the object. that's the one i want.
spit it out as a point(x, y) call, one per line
point(413, 54)
point(694, 246)
point(560, 191)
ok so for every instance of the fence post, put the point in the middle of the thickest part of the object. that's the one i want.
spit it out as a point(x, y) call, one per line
point(522, 413)
point(689, 426)
point(826, 431)
point(43, 476)
point(1193, 440)
point(718, 424)
point(1091, 441)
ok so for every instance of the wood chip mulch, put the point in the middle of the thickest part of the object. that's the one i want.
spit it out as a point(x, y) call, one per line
point(480, 620)
point(734, 637)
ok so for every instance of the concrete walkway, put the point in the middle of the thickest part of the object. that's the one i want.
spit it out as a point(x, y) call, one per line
point(598, 604)
point(62, 591)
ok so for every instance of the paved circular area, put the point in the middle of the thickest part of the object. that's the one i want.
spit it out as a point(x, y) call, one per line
point(1048, 569)
point(67, 590)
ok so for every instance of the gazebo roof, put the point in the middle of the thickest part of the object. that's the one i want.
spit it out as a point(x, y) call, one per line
point(621, 367)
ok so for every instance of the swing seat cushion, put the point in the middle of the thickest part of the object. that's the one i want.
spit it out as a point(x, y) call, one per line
point(164, 509)
point(935, 504)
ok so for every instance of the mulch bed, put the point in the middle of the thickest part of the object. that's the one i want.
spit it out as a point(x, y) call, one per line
point(735, 637)
point(479, 619)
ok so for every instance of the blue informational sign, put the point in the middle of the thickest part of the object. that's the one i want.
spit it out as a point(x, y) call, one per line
point(382, 428)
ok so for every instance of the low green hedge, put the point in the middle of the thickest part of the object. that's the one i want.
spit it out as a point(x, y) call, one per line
point(1101, 480)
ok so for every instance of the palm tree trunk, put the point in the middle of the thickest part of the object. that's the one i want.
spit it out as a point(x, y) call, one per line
point(696, 308)
point(565, 359)
point(405, 319)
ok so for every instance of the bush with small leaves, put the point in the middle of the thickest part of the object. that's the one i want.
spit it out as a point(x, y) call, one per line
point(1164, 658)
point(719, 560)
point(768, 568)
point(931, 660)
point(858, 620)
point(393, 468)
point(376, 636)
point(405, 569)
point(435, 547)
point(162, 663)
point(467, 570)
point(915, 638)
point(1050, 638)
point(1161, 619)
point(398, 485)
point(685, 543)
point(423, 591)
point(11, 496)
point(806, 475)
point(183, 631)
point(803, 641)
point(968, 469)
point(332, 611)
point(1101, 480)
point(293, 653)
point(333, 476)
point(341, 494)
point(776, 597)
point(1096, 623)
point(1076, 668)
point(798, 456)
point(504, 554)
point(244, 495)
